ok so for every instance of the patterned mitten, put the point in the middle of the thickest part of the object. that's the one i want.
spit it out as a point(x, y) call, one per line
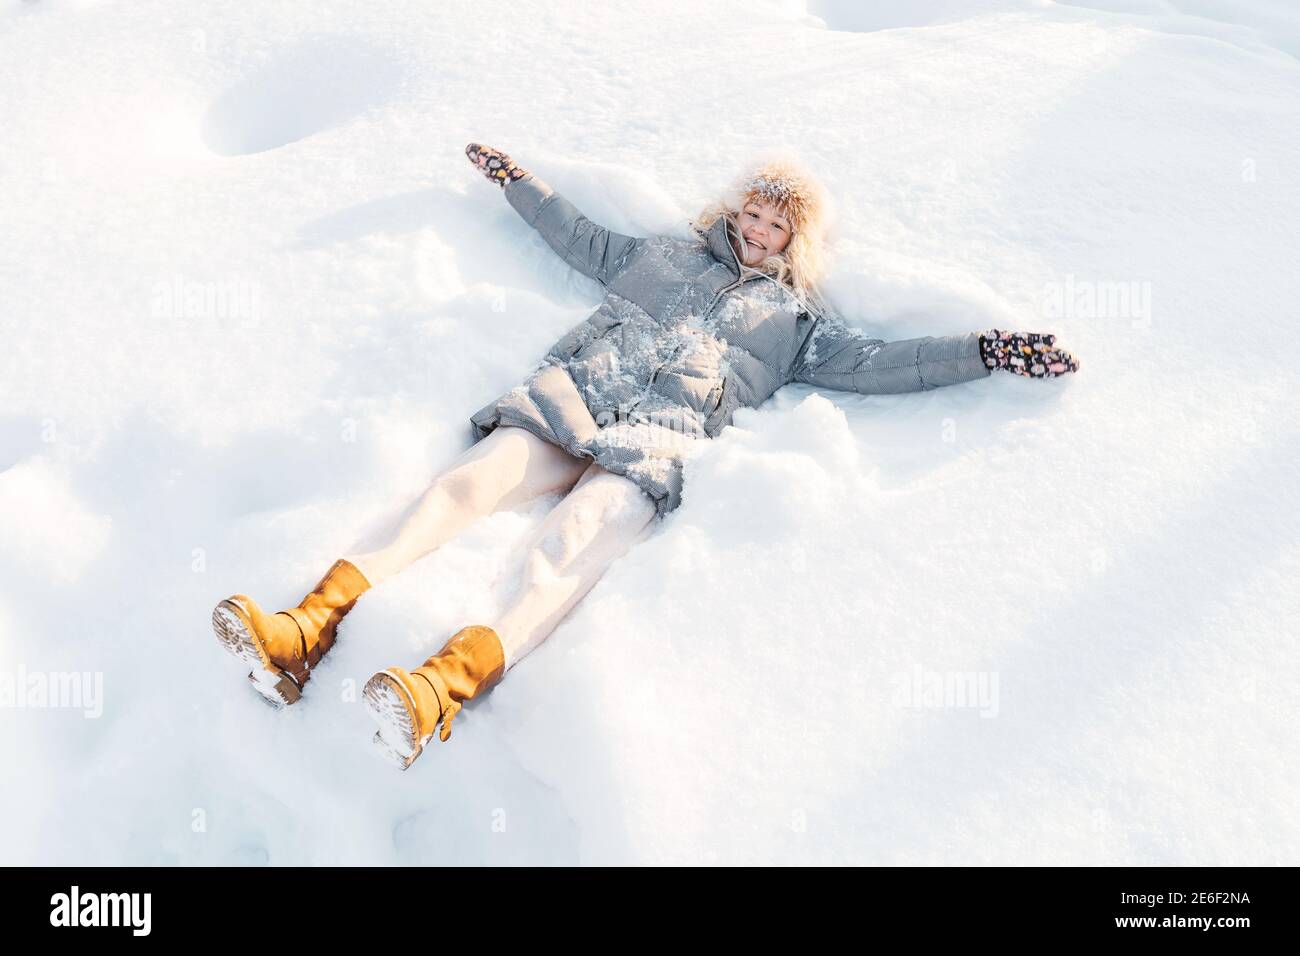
point(496, 165)
point(1025, 353)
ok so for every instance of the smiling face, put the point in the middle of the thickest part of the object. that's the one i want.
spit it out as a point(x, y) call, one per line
point(764, 231)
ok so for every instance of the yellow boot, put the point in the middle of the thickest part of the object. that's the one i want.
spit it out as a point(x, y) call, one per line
point(408, 705)
point(285, 646)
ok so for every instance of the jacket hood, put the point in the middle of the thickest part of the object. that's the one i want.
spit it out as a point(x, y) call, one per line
point(719, 245)
point(715, 238)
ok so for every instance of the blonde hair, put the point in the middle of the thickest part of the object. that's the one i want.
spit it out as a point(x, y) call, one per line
point(802, 201)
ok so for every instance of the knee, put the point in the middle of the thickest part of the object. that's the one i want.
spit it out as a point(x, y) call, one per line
point(618, 502)
point(599, 522)
point(554, 550)
point(475, 486)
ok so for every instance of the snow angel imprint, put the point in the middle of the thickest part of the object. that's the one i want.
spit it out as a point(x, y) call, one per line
point(688, 331)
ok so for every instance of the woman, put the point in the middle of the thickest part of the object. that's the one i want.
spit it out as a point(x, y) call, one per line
point(689, 331)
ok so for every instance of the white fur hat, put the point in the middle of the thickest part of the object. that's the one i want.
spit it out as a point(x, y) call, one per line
point(792, 189)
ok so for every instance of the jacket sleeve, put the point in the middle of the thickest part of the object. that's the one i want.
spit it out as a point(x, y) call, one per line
point(593, 250)
point(837, 356)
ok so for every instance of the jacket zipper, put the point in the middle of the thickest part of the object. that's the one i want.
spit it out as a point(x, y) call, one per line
point(707, 313)
point(740, 271)
point(712, 304)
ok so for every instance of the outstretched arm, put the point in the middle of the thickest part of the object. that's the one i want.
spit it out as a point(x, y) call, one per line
point(838, 356)
point(593, 250)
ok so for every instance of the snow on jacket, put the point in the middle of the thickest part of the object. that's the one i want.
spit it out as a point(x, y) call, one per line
point(683, 338)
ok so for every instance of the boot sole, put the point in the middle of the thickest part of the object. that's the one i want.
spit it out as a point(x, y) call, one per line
point(391, 706)
point(234, 631)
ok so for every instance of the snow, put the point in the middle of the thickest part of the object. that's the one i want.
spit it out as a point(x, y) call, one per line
point(252, 290)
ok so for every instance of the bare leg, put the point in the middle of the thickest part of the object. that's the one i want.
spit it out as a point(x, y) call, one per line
point(596, 523)
point(505, 469)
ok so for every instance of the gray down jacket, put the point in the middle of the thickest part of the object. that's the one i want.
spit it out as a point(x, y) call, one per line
point(683, 338)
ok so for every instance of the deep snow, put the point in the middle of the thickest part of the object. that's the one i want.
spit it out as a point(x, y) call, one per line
point(251, 291)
